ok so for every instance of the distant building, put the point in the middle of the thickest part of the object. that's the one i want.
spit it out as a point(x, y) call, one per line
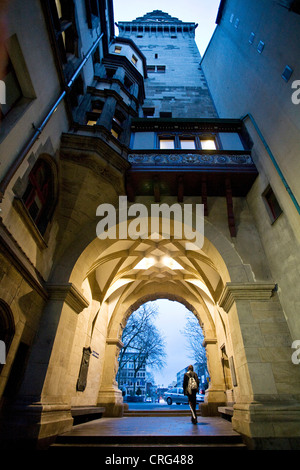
point(200, 370)
point(129, 378)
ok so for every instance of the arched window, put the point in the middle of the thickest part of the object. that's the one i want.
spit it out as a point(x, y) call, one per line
point(39, 196)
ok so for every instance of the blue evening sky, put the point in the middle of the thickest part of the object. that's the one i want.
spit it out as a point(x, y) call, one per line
point(203, 12)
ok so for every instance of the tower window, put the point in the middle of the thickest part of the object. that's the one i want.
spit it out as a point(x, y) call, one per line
point(63, 18)
point(165, 114)
point(272, 205)
point(287, 73)
point(156, 68)
point(260, 47)
point(148, 112)
point(251, 38)
point(118, 49)
point(134, 59)
point(39, 194)
point(92, 12)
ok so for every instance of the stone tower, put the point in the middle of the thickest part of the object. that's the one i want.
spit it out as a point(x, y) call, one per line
point(170, 50)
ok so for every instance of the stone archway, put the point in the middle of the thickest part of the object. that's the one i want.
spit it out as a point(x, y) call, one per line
point(98, 282)
point(110, 395)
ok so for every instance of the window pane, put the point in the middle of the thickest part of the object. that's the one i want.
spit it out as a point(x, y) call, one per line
point(166, 143)
point(187, 144)
point(208, 144)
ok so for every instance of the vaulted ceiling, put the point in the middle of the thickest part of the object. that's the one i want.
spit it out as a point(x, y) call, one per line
point(126, 264)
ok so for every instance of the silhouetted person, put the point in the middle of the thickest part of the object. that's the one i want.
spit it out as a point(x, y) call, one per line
point(191, 388)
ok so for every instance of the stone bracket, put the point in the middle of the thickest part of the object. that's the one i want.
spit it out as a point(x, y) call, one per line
point(115, 341)
point(68, 293)
point(244, 291)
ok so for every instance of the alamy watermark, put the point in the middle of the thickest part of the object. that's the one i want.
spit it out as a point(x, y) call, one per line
point(296, 354)
point(2, 92)
point(2, 353)
point(179, 221)
point(296, 94)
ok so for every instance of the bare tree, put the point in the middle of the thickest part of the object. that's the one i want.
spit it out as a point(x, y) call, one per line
point(194, 335)
point(143, 342)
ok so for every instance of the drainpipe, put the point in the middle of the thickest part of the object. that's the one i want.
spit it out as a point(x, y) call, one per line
point(295, 202)
point(38, 130)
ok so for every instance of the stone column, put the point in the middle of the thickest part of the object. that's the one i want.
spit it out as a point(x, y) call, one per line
point(110, 396)
point(267, 408)
point(43, 408)
point(215, 394)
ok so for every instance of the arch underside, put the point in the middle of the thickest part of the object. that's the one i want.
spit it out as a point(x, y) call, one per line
point(130, 272)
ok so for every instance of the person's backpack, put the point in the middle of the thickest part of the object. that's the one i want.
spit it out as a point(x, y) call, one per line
point(192, 385)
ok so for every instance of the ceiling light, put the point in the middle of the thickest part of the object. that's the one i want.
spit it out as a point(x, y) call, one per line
point(145, 263)
point(171, 263)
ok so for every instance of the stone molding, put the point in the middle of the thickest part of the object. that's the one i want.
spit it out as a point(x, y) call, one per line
point(84, 147)
point(244, 291)
point(68, 293)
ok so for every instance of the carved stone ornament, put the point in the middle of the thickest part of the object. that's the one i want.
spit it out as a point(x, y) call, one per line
point(83, 371)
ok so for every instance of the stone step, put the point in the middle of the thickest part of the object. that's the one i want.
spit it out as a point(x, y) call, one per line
point(83, 414)
point(209, 441)
point(156, 413)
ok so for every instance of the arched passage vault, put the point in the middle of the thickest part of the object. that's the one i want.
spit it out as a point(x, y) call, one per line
point(95, 286)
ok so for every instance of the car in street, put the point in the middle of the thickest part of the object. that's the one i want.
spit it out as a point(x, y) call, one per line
point(176, 395)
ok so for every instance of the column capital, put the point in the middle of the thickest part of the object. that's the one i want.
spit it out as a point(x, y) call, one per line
point(68, 293)
point(245, 291)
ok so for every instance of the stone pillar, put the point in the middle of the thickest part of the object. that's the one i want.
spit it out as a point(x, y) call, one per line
point(110, 396)
point(109, 107)
point(119, 75)
point(43, 407)
point(108, 112)
point(126, 134)
point(267, 408)
point(215, 395)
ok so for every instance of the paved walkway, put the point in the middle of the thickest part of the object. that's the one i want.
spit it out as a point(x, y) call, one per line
point(154, 426)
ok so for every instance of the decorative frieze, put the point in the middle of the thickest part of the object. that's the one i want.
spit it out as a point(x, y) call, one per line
point(190, 160)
